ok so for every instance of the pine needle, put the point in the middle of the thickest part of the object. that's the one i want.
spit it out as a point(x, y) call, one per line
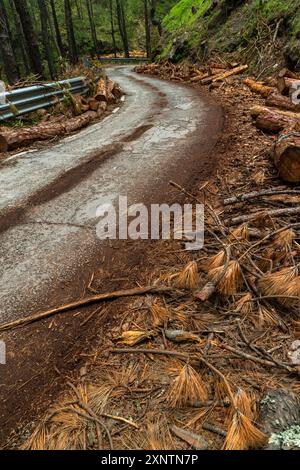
point(279, 282)
point(241, 233)
point(232, 280)
point(215, 261)
point(188, 278)
point(187, 388)
point(244, 305)
point(243, 435)
point(160, 314)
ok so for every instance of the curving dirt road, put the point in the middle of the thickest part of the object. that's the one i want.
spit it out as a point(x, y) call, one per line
point(49, 197)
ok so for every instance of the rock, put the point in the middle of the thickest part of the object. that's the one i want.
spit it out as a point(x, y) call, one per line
point(280, 418)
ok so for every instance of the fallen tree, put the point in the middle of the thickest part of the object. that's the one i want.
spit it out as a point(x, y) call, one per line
point(271, 120)
point(15, 138)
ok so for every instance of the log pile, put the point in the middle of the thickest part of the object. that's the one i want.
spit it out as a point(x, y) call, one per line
point(84, 111)
point(212, 73)
point(281, 115)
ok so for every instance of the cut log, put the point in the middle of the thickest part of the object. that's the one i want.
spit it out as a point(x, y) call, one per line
point(79, 122)
point(12, 139)
point(256, 110)
point(199, 77)
point(271, 121)
point(224, 75)
point(287, 156)
point(287, 85)
point(286, 73)
point(101, 93)
point(282, 102)
point(259, 87)
point(93, 104)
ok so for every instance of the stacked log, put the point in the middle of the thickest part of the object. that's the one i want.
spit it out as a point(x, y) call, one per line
point(85, 111)
point(287, 156)
point(259, 87)
point(280, 115)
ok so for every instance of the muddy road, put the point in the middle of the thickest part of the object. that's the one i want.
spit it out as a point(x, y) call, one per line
point(48, 202)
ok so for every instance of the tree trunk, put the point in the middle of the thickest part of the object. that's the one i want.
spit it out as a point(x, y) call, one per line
point(30, 36)
point(21, 38)
point(272, 121)
point(9, 61)
point(112, 27)
point(12, 139)
point(122, 27)
point(147, 29)
point(73, 56)
point(92, 25)
point(155, 21)
point(287, 156)
point(56, 27)
point(46, 34)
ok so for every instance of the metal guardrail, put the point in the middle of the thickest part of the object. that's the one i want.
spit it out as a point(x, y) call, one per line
point(123, 60)
point(25, 100)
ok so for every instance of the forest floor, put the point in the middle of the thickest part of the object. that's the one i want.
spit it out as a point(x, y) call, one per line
point(211, 358)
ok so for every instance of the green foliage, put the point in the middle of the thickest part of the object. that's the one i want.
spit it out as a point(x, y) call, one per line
point(182, 16)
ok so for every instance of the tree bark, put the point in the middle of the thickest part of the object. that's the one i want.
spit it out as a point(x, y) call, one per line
point(273, 122)
point(30, 36)
point(224, 75)
point(285, 85)
point(46, 34)
point(112, 27)
point(287, 156)
point(282, 102)
point(21, 38)
point(73, 55)
point(12, 139)
point(122, 27)
point(147, 29)
point(56, 27)
point(9, 60)
point(92, 25)
point(259, 87)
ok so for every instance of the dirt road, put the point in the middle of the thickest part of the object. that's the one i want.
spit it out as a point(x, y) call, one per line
point(48, 202)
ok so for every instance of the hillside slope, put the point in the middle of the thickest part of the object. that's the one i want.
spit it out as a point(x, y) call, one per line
point(261, 32)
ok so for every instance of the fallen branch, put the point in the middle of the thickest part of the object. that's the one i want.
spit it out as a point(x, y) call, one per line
point(274, 213)
point(255, 194)
point(84, 302)
point(252, 358)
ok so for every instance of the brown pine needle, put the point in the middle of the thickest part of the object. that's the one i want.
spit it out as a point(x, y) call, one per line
point(215, 261)
point(187, 388)
point(243, 434)
point(188, 278)
point(281, 282)
point(160, 314)
point(232, 280)
point(244, 304)
point(240, 233)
